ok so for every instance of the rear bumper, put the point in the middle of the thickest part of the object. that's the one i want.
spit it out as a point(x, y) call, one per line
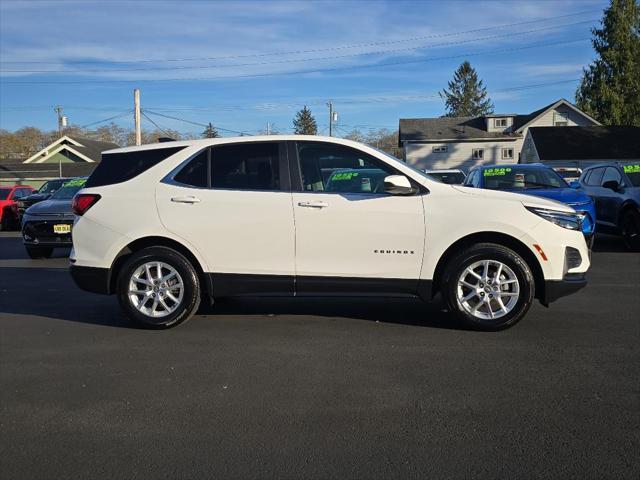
point(91, 279)
point(555, 289)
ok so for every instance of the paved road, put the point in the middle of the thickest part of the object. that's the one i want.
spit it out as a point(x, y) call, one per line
point(319, 389)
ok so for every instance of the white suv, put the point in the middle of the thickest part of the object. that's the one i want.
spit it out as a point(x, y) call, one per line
point(163, 226)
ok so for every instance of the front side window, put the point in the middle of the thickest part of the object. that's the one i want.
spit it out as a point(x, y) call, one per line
point(196, 172)
point(507, 153)
point(611, 174)
point(340, 169)
point(246, 166)
point(477, 153)
point(4, 193)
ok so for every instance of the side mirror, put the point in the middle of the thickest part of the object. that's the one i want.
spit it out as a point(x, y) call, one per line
point(612, 185)
point(397, 185)
point(574, 184)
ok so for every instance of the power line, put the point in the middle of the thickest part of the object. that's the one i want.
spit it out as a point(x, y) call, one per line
point(315, 50)
point(155, 124)
point(301, 72)
point(128, 112)
point(301, 60)
point(196, 123)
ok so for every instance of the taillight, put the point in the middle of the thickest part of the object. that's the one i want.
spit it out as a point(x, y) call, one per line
point(83, 202)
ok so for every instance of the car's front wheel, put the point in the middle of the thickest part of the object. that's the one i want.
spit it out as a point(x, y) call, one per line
point(488, 286)
point(158, 288)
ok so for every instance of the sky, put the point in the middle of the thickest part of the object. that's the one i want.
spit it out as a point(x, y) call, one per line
point(243, 64)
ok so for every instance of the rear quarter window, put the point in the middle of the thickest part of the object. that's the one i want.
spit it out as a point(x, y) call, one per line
point(120, 167)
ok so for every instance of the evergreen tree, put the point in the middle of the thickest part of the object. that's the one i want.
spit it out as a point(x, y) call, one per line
point(210, 132)
point(610, 86)
point(304, 123)
point(466, 96)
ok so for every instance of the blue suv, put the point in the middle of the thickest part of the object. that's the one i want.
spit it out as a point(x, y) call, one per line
point(615, 187)
point(537, 180)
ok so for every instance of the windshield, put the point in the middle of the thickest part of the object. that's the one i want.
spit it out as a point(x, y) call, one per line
point(450, 178)
point(51, 186)
point(4, 193)
point(515, 178)
point(69, 189)
point(633, 172)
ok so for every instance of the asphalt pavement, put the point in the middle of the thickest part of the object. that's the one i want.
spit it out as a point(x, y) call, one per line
point(323, 388)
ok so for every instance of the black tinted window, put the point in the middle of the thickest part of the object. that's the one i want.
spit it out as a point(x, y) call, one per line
point(611, 174)
point(246, 166)
point(196, 172)
point(120, 167)
point(334, 168)
point(595, 177)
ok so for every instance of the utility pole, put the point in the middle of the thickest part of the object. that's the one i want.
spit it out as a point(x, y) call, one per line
point(62, 120)
point(136, 115)
point(333, 117)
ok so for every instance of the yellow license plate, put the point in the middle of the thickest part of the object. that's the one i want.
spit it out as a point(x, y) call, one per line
point(63, 228)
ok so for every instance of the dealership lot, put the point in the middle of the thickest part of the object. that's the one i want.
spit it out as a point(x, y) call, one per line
point(326, 388)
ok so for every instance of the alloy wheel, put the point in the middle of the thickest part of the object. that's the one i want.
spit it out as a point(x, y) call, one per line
point(488, 289)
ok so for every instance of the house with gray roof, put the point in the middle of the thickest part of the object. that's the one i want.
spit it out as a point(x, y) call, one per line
point(464, 142)
point(581, 146)
point(65, 157)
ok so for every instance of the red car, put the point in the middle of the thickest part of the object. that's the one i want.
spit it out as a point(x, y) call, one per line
point(8, 206)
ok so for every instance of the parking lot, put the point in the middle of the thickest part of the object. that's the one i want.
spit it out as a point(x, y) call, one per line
point(323, 388)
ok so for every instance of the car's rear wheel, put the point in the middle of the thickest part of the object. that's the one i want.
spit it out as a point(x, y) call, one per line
point(488, 286)
point(38, 252)
point(630, 225)
point(158, 288)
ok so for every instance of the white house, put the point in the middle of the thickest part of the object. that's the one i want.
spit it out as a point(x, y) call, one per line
point(464, 142)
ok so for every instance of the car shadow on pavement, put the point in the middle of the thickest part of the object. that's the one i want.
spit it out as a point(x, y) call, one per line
point(51, 293)
point(610, 244)
point(403, 311)
point(58, 298)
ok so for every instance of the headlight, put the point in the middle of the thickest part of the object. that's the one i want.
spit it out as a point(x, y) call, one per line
point(572, 221)
point(580, 204)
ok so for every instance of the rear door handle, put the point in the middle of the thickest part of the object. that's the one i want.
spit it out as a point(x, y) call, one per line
point(186, 199)
point(313, 204)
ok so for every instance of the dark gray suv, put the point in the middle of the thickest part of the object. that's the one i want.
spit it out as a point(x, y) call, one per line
point(615, 188)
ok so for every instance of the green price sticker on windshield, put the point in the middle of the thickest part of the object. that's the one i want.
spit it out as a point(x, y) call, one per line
point(77, 182)
point(344, 176)
point(495, 172)
point(631, 169)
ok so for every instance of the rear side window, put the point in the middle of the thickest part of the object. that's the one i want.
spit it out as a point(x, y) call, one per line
point(120, 167)
point(246, 166)
point(196, 172)
point(595, 177)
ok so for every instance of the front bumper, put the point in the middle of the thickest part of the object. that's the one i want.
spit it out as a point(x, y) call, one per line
point(40, 233)
point(555, 289)
point(91, 279)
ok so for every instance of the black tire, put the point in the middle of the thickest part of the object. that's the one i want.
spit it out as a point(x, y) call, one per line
point(488, 251)
point(630, 226)
point(38, 252)
point(191, 284)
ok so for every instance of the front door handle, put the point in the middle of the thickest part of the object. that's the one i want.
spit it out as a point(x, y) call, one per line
point(313, 204)
point(186, 199)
